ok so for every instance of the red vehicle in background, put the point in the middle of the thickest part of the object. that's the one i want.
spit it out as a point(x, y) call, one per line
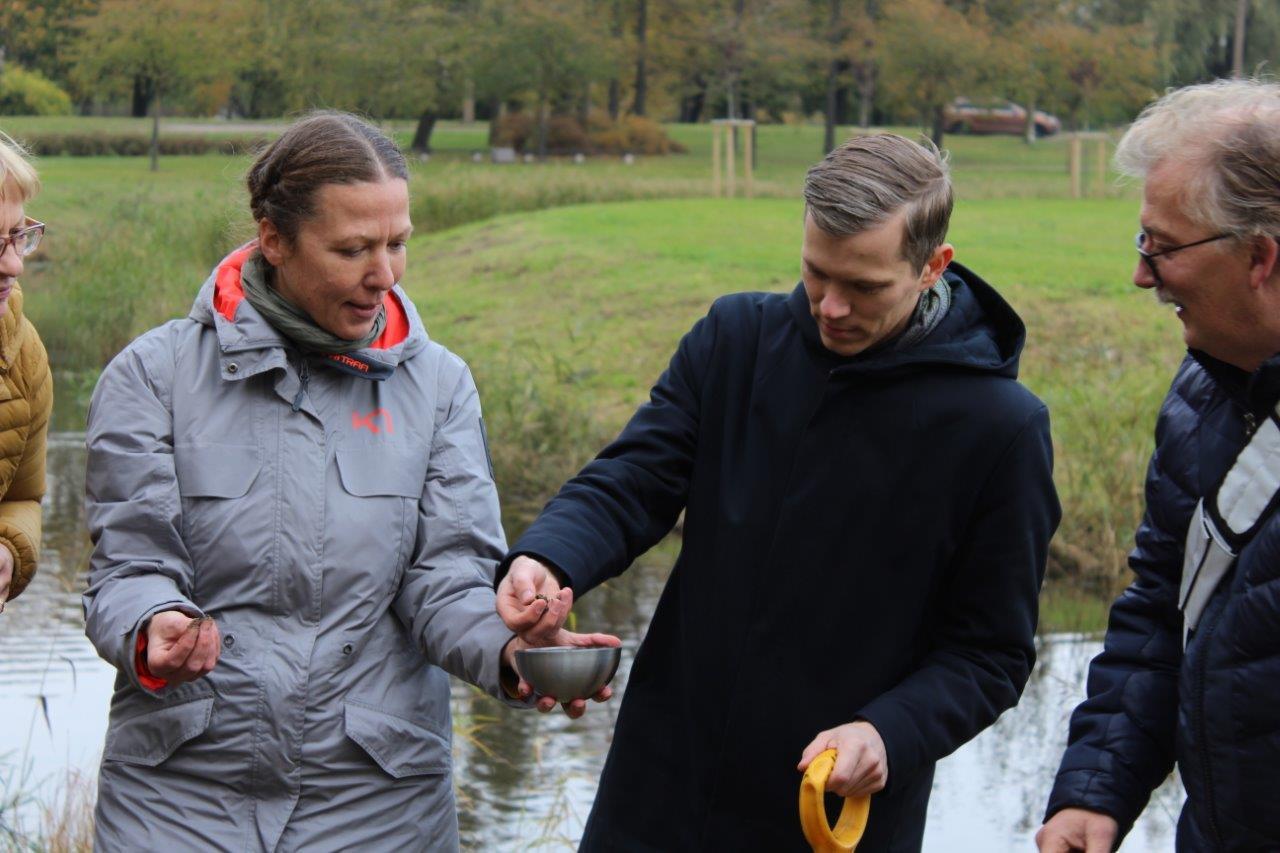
point(965, 116)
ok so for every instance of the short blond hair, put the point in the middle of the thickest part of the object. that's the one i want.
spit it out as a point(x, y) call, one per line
point(16, 170)
point(867, 180)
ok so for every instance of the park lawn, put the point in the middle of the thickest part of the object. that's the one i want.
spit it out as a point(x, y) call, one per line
point(627, 279)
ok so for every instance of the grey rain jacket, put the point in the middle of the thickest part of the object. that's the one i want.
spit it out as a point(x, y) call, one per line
point(342, 531)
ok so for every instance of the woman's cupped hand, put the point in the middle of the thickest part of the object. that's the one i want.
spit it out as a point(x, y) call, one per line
point(181, 648)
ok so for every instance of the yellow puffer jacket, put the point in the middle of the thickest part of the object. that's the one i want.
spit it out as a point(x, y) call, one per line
point(26, 399)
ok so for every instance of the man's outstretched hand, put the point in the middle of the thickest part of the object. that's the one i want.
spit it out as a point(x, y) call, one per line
point(525, 595)
point(532, 603)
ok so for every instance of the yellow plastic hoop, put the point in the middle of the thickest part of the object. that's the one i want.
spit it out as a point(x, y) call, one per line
point(813, 813)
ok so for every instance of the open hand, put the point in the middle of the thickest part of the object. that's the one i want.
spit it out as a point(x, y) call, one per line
point(180, 648)
point(1078, 831)
point(862, 764)
point(550, 631)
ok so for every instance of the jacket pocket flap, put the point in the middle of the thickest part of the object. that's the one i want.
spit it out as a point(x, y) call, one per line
point(150, 738)
point(215, 470)
point(400, 747)
point(382, 471)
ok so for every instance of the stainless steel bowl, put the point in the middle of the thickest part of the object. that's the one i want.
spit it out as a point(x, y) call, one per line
point(567, 672)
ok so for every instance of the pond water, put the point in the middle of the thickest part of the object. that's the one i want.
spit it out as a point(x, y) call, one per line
point(525, 781)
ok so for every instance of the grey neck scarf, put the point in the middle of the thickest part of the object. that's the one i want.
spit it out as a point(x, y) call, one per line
point(290, 320)
point(932, 307)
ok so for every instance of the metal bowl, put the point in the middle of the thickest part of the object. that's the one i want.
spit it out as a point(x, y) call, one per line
point(568, 672)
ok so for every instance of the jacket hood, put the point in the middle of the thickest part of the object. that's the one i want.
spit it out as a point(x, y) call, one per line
point(980, 332)
point(221, 304)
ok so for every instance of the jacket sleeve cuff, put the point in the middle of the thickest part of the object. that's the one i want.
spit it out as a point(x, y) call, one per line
point(505, 680)
point(16, 581)
point(565, 577)
point(24, 563)
point(1094, 791)
point(151, 682)
point(894, 735)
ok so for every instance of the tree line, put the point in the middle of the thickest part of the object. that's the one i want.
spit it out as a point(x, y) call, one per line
point(1092, 62)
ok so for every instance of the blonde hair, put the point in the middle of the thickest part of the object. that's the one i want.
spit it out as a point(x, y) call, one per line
point(16, 170)
point(867, 180)
point(1229, 131)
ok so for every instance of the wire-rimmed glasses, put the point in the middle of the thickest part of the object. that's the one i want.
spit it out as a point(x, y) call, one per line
point(24, 240)
point(1150, 257)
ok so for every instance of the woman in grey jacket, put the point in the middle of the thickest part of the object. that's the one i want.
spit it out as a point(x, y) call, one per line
point(295, 528)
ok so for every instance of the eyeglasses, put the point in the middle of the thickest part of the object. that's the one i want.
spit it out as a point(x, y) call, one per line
point(1150, 257)
point(24, 241)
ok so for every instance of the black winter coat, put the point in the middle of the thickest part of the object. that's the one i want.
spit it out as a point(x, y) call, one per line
point(864, 538)
point(1216, 707)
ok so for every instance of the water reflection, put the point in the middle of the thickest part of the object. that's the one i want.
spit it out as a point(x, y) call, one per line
point(525, 781)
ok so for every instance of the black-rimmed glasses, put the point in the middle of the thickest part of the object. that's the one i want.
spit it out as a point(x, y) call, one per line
point(25, 240)
point(1150, 257)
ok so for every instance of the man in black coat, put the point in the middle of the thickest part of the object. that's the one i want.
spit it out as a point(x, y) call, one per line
point(868, 502)
point(1195, 675)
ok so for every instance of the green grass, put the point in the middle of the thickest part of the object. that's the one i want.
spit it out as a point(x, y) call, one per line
point(1074, 607)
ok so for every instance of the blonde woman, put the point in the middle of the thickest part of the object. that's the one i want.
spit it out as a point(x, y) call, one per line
point(26, 386)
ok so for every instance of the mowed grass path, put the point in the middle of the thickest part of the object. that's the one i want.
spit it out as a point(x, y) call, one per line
point(593, 299)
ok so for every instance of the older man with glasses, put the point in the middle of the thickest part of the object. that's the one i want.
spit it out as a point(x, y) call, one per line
point(1190, 671)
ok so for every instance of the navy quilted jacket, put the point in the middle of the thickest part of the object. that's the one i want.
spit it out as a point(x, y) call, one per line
point(1215, 708)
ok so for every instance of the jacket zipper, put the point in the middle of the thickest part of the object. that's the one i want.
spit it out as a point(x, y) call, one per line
point(1201, 666)
point(1250, 424)
point(304, 374)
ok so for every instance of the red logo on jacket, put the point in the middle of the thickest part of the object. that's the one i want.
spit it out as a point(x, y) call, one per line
point(370, 421)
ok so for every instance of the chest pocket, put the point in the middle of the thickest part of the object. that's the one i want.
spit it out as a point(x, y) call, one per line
point(222, 525)
point(215, 470)
point(381, 489)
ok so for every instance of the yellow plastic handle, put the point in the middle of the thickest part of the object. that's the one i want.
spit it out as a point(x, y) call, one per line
point(813, 812)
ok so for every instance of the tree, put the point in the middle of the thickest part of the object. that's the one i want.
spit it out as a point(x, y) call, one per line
point(929, 54)
point(756, 45)
point(860, 51)
point(1196, 40)
point(638, 104)
point(382, 58)
point(846, 30)
point(1096, 75)
point(1016, 69)
point(38, 34)
point(162, 47)
point(549, 49)
point(836, 35)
